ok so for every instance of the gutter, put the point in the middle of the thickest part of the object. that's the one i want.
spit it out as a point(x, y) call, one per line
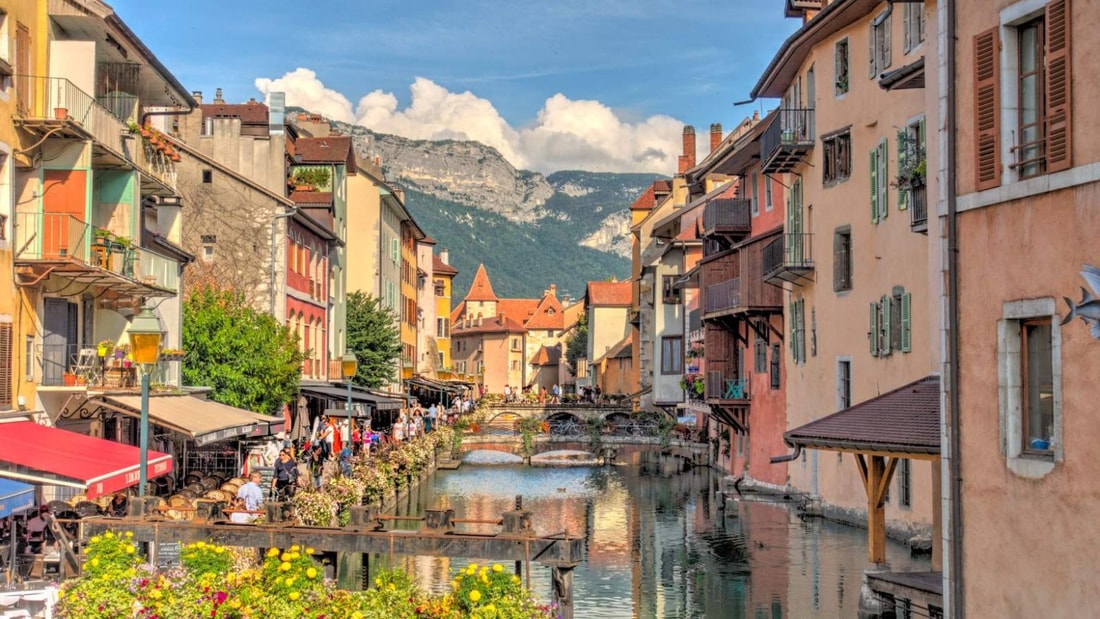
point(955, 606)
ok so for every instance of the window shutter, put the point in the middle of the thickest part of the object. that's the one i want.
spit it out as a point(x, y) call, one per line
point(874, 185)
point(6, 365)
point(1058, 79)
point(873, 333)
point(886, 58)
point(904, 147)
point(907, 41)
point(883, 178)
point(987, 109)
point(871, 45)
point(906, 321)
point(837, 273)
point(801, 307)
point(884, 343)
point(792, 332)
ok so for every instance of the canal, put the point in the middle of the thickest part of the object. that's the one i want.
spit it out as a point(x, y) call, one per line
point(659, 544)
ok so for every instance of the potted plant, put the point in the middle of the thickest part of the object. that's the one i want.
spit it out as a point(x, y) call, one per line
point(912, 163)
point(310, 179)
point(60, 113)
point(172, 354)
point(122, 350)
point(104, 348)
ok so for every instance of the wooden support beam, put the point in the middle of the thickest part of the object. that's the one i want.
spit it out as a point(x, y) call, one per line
point(876, 473)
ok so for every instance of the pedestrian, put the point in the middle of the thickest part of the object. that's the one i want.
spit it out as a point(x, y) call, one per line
point(285, 479)
point(251, 497)
point(36, 529)
point(316, 468)
point(507, 393)
point(542, 395)
point(356, 439)
point(433, 413)
point(556, 392)
point(325, 438)
point(345, 461)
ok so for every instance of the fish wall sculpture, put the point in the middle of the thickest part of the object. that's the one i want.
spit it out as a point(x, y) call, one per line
point(1088, 310)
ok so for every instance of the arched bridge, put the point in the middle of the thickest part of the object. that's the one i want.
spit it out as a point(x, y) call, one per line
point(503, 412)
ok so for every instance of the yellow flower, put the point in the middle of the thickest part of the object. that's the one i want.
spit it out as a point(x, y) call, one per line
point(274, 552)
point(286, 557)
point(200, 544)
point(475, 595)
point(455, 584)
point(489, 608)
point(155, 594)
point(471, 569)
point(311, 572)
point(294, 595)
point(515, 580)
point(498, 567)
point(220, 549)
point(378, 582)
point(108, 535)
point(95, 539)
point(289, 581)
point(235, 604)
point(284, 566)
point(310, 551)
point(390, 587)
point(130, 550)
point(357, 615)
point(94, 562)
point(294, 548)
point(60, 593)
point(129, 534)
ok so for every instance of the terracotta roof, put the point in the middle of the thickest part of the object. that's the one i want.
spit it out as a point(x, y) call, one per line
point(903, 421)
point(427, 240)
point(457, 312)
point(442, 268)
point(547, 355)
point(331, 149)
point(481, 289)
point(494, 324)
point(608, 293)
point(254, 113)
point(548, 314)
point(311, 197)
point(520, 309)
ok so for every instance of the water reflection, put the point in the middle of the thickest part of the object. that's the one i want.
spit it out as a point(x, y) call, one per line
point(660, 544)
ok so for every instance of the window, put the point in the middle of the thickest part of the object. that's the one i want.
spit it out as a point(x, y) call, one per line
point(891, 323)
point(838, 157)
point(843, 383)
point(515, 365)
point(912, 168)
point(879, 42)
point(775, 366)
point(207, 176)
point(1029, 150)
point(905, 481)
point(441, 329)
point(797, 318)
point(753, 184)
point(1037, 368)
point(669, 293)
point(3, 227)
point(840, 63)
point(760, 356)
point(880, 180)
point(6, 370)
point(913, 23)
point(842, 259)
point(767, 194)
point(208, 253)
point(29, 358)
point(515, 343)
point(672, 355)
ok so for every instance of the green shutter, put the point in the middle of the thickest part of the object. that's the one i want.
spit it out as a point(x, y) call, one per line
point(874, 185)
point(903, 161)
point(801, 308)
point(883, 178)
point(791, 332)
point(884, 343)
point(873, 333)
point(906, 321)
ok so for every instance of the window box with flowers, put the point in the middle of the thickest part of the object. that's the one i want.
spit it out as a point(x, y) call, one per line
point(694, 385)
point(172, 354)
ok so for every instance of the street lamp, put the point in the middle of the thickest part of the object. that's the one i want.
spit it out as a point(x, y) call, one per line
point(145, 337)
point(350, 365)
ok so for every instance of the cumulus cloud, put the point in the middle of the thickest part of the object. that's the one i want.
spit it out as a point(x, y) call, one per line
point(566, 134)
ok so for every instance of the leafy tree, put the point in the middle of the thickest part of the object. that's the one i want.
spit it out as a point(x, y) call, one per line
point(248, 358)
point(374, 337)
point(577, 344)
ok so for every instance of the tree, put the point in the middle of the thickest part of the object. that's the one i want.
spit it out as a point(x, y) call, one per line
point(375, 339)
point(576, 347)
point(248, 358)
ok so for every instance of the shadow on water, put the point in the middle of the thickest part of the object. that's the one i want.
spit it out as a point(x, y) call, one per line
point(660, 543)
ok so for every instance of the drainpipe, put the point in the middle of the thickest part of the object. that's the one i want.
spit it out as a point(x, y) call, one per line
point(955, 561)
point(274, 243)
point(794, 455)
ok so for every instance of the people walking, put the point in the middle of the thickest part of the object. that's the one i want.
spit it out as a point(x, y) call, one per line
point(433, 414)
point(285, 479)
point(316, 468)
point(556, 392)
point(251, 497)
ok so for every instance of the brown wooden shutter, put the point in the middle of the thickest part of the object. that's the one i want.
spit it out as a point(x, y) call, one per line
point(1059, 135)
point(6, 378)
point(987, 109)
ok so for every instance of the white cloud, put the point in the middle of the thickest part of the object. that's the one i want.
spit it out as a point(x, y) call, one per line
point(567, 133)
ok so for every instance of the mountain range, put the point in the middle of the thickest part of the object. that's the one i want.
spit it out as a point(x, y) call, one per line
point(530, 230)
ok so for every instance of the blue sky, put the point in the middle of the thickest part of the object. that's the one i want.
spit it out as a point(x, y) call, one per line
point(597, 82)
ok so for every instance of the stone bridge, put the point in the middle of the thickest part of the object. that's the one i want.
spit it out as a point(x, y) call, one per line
point(581, 413)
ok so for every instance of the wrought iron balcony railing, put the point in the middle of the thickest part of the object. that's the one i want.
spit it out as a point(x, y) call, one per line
point(787, 141)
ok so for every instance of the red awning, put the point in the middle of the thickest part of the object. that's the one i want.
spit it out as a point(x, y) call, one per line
point(44, 455)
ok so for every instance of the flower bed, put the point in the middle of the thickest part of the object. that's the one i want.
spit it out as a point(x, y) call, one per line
point(214, 583)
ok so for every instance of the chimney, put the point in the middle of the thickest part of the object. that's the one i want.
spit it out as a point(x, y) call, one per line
point(444, 256)
point(554, 289)
point(400, 193)
point(687, 160)
point(715, 136)
point(197, 96)
point(218, 97)
point(500, 318)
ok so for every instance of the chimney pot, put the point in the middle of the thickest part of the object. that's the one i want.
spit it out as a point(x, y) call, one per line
point(218, 96)
point(197, 96)
point(444, 256)
point(715, 136)
point(687, 160)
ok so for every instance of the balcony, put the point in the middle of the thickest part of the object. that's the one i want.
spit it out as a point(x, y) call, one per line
point(57, 244)
point(788, 141)
point(55, 107)
point(918, 208)
point(789, 258)
point(727, 216)
point(727, 387)
point(723, 296)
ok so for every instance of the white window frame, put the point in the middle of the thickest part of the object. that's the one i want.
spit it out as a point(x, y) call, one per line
point(1011, 17)
point(840, 363)
point(754, 179)
point(1010, 387)
point(767, 194)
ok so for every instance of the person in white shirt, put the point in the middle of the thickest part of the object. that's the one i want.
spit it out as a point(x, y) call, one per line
point(252, 496)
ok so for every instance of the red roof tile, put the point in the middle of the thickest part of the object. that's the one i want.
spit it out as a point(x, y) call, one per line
point(442, 268)
point(481, 289)
point(494, 324)
point(609, 294)
point(249, 113)
point(311, 197)
point(331, 149)
point(519, 309)
point(905, 420)
point(548, 314)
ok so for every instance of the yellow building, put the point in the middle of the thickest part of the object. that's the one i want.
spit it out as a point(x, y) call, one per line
point(443, 275)
point(23, 51)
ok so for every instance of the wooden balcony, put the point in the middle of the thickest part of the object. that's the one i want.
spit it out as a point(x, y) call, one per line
point(723, 296)
point(736, 283)
point(730, 217)
point(789, 258)
point(63, 246)
point(788, 141)
point(55, 107)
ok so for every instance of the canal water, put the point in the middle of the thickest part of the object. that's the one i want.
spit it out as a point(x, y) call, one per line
point(660, 543)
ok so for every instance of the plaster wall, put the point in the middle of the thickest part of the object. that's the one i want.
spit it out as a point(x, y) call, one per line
point(363, 242)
